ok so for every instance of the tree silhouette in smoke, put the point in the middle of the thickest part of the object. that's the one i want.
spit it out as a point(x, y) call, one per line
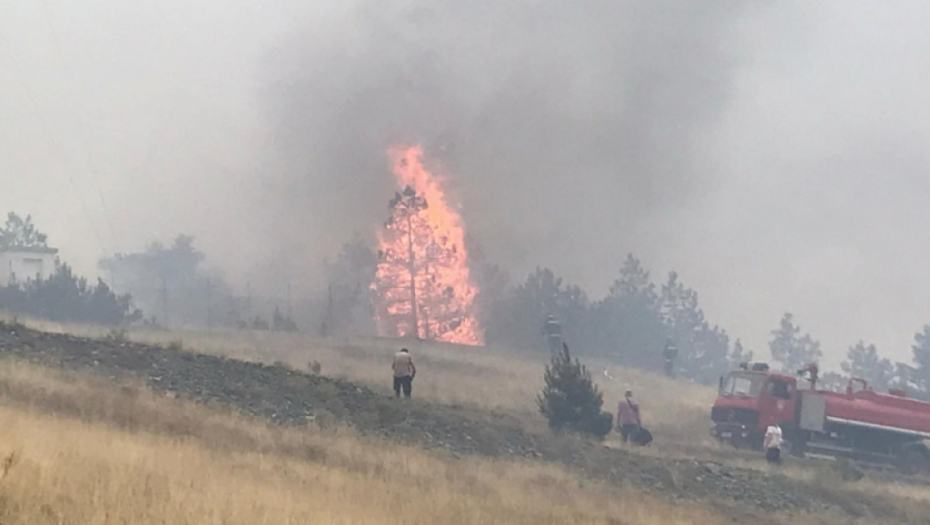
point(21, 233)
point(411, 301)
point(790, 348)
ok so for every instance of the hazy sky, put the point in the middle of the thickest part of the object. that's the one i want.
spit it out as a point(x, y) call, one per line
point(774, 154)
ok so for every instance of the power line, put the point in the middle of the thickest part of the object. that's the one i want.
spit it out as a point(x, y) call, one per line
point(82, 129)
point(53, 144)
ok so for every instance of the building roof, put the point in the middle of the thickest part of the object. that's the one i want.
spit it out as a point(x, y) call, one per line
point(29, 249)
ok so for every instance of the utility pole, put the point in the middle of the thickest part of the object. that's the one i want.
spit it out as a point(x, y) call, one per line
point(248, 303)
point(290, 309)
point(328, 317)
point(164, 300)
point(209, 304)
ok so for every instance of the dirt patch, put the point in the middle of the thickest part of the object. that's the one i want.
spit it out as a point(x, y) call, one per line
point(290, 397)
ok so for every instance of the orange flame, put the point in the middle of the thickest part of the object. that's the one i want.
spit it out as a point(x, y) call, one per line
point(423, 278)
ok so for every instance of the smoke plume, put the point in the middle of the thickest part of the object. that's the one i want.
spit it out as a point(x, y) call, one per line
point(561, 125)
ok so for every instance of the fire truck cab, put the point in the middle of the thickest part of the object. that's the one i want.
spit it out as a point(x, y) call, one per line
point(751, 399)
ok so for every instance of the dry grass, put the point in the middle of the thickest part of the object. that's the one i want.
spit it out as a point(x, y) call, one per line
point(80, 452)
point(677, 411)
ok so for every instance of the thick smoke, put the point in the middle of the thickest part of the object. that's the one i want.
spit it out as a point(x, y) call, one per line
point(562, 124)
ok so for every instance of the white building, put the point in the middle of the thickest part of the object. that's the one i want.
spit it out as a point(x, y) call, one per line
point(26, 264)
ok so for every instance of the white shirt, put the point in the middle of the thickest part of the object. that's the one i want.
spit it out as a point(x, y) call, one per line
point(403, 365)
point(772, 437)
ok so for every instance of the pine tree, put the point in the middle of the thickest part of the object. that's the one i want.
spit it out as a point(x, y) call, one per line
point(413, 301)
point(702, 348)
point(906, 378)
point(739, 354)
point(520, 315)
point(832, 382)
point(21, 233)
point(790, 348)
point(863, 361)
point(921, 369)
point(348, 303)
point(629, 319)
point(570, 400)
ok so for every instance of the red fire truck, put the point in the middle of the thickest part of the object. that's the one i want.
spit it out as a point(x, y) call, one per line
point(861, 425)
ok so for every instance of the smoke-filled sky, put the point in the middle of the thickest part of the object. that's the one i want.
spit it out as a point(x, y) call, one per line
point(773, 153)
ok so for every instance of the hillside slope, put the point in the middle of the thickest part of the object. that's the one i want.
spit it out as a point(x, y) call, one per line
point(77, 449)
point(288, 397)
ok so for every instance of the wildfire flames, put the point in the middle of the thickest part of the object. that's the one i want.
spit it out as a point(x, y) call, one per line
point(422, 285)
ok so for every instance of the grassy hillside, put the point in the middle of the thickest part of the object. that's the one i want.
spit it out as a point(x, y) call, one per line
point(78, 451)
point(498, 378)
point(75, 449)
point(481, 453)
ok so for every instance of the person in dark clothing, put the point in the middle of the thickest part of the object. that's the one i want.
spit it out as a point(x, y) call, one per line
point(669, 353)
point(553, 333)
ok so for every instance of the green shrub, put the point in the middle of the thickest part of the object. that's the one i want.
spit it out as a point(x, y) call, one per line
point(570, 400)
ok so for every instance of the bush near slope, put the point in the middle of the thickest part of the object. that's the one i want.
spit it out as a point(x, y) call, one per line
point(570, 400)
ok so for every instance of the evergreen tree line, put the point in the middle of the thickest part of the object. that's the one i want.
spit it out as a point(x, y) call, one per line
point(66, 297)
point(793, 350)
point(631, 325)
point(168, 283)
point(171, 284)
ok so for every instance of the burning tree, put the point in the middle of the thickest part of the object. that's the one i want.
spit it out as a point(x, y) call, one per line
point(422, 285)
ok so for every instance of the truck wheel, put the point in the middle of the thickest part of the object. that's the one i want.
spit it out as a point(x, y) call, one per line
point(913, 461)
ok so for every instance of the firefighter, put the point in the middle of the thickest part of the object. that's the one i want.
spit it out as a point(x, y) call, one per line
point(670, 353)
point(404, 372)
point(553, 332)
point(772, 444)
point(628, 420)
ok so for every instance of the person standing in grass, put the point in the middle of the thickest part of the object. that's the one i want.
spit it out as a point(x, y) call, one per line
point(628, 421)
point(772, 444)
point(404, 372)
point(552, 330)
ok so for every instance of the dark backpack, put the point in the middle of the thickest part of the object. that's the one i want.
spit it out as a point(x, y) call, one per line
point(642, 437)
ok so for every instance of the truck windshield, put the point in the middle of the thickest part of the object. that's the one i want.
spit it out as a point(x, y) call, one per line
point(742, 385)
